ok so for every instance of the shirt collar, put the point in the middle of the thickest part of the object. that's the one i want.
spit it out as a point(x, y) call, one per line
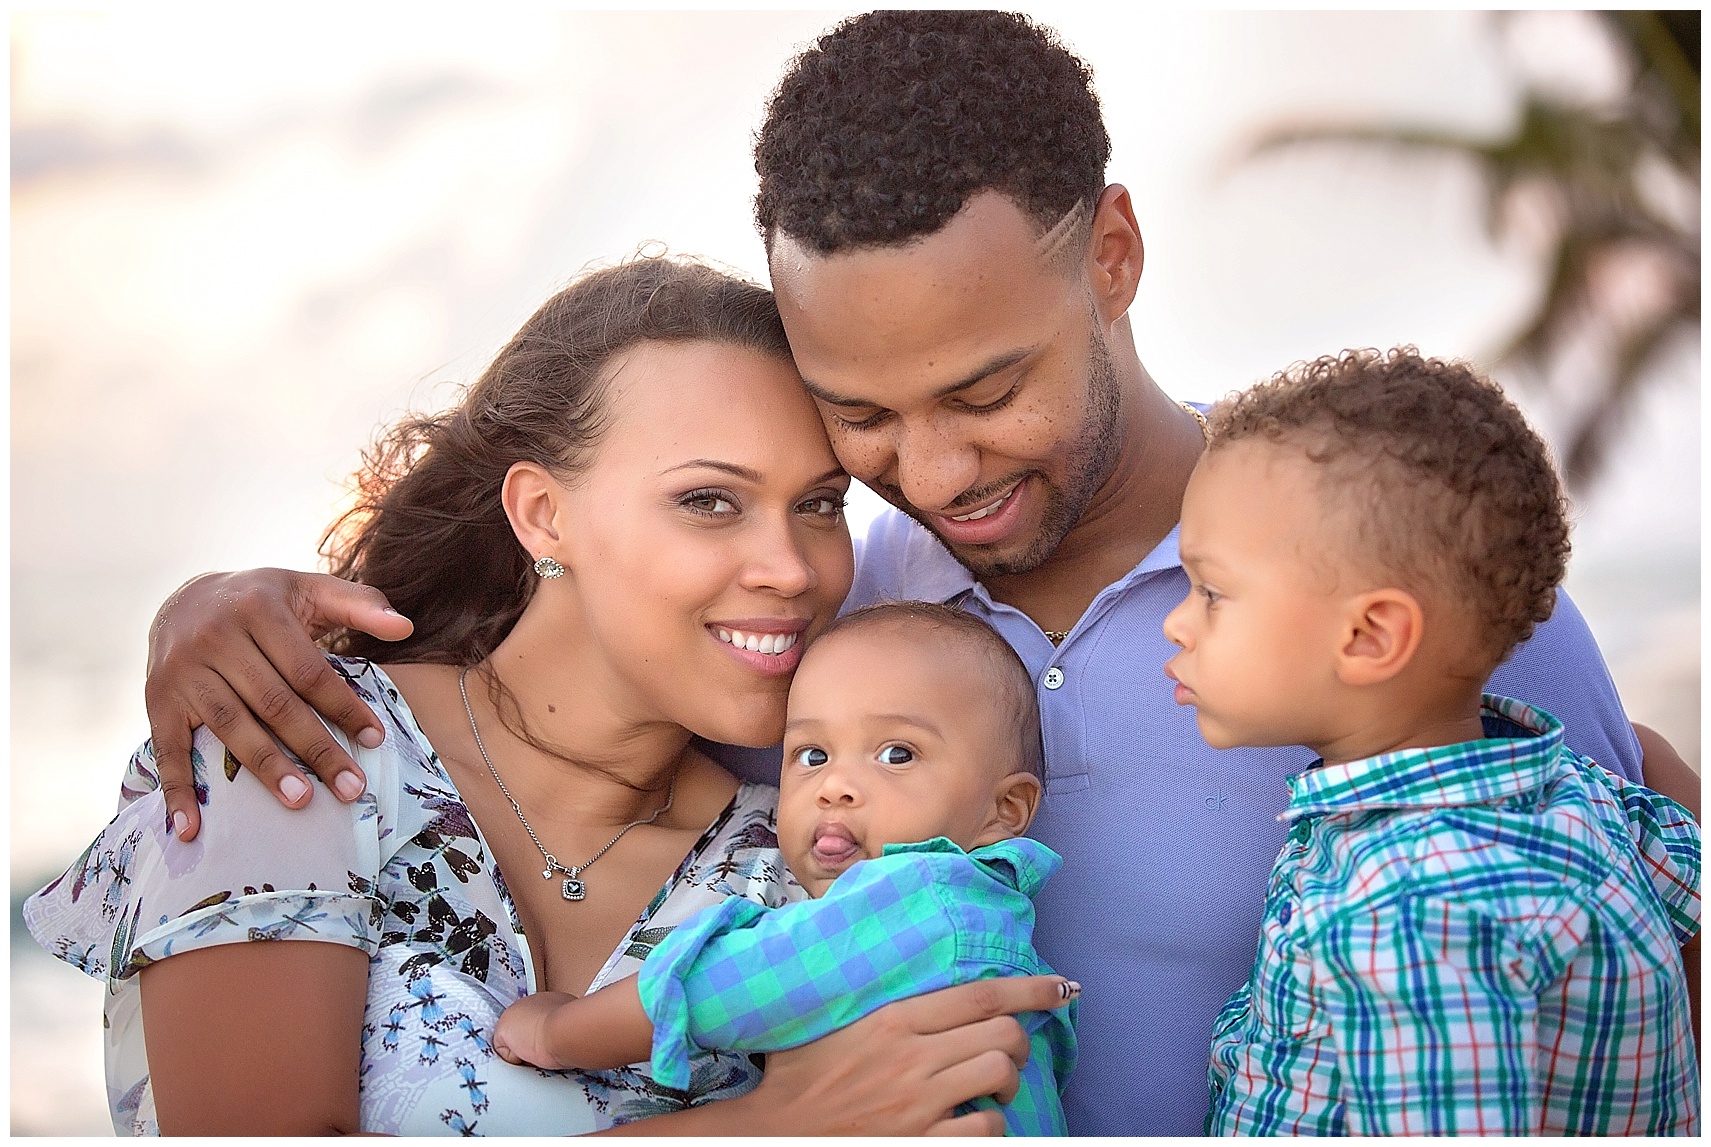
point(1516, 755)
point(1019, 862)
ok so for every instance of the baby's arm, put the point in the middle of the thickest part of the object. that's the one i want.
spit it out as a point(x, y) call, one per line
point(557, 1030)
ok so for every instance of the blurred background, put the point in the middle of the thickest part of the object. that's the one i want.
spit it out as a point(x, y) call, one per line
point(242, 240)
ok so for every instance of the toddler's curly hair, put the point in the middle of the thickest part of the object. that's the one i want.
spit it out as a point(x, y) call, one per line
point(1440, 479)
point(881, 131)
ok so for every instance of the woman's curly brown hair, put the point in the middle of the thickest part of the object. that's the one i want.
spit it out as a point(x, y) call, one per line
point(1443, 481)
point(882, 130)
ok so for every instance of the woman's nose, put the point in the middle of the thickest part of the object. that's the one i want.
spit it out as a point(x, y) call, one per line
point(778, 562)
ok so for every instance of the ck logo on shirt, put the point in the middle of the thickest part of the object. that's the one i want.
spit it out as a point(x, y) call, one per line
point(1215, 803)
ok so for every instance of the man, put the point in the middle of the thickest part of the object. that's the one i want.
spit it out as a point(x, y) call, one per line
point(955, 276)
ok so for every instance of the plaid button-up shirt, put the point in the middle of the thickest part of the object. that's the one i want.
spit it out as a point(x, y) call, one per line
point(742, 977)
point(1477, 938)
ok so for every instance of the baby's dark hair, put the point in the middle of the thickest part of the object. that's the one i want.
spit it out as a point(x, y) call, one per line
point(880, 132)
point(1017, 699)
point(1446, 486)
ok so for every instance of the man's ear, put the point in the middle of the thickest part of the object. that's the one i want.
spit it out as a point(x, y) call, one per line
point(1114, 254)
point(533, 501)
point(1014, 803)
point(1381, 633)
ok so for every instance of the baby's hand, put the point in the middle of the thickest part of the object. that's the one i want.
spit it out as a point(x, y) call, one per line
point(520, 1036)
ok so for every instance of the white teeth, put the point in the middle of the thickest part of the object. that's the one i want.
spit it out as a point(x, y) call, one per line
point(769, 643)
point(983, 511)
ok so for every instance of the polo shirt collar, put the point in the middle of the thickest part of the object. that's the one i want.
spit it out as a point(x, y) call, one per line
point(1517, 755)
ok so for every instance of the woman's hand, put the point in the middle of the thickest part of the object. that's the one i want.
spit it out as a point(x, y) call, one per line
point(236, 652)
point(902, 1070)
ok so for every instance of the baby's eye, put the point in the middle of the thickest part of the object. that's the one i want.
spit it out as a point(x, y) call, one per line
point(895, 755)
point(811, 757)
point(1212, 597)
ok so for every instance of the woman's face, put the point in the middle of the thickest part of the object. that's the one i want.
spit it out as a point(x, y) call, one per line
point(705, 542)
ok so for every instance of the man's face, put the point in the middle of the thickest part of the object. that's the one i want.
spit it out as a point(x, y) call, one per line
point(963, 376)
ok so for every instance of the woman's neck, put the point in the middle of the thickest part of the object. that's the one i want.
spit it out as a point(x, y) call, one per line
point(559, 721)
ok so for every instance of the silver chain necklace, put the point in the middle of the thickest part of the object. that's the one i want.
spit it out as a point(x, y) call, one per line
point(574, 888)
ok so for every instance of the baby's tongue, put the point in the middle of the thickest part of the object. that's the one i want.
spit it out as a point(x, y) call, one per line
point(834, 845)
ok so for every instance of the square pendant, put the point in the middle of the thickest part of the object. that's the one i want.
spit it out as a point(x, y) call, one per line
point(574, 889)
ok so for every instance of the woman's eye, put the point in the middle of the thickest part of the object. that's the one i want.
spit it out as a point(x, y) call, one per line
point(895, 755)
point(708, 502)
point(811, 758)
point(825, 505)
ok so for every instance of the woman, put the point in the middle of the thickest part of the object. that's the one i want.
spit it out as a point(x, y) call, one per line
point(624, 534)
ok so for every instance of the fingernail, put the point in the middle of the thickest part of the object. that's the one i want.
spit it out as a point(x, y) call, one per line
point(180, 824)
point(293, 788)
point(370, 738)
point(348, 785)
point(1069, 989)
point(392, 611)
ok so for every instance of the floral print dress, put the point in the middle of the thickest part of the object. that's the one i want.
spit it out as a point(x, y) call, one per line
point(403, 874)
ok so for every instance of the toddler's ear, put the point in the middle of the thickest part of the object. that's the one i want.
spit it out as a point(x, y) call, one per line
point(1381, 634)
point(1014, 803)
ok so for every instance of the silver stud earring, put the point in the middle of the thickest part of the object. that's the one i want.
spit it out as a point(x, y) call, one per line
point(548, 568)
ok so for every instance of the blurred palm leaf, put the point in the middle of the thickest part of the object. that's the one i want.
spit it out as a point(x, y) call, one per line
point(1615, 187)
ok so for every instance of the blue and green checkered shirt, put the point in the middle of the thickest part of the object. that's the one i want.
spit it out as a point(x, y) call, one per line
point(743, 977)
point(1481, 938)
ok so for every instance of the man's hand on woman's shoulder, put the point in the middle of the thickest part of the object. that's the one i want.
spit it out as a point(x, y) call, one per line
point(237, 652)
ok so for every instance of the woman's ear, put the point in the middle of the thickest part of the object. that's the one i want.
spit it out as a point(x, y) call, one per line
point(1014, 803)
point(533, 501)
point(1383, 630)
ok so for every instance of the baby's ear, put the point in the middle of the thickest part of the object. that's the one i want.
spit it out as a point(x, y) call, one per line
point(1015, 801)
point(1382, 633)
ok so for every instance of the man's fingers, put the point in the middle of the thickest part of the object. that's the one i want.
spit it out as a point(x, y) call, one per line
point(229, 719)
point(286, 683)
point(172, 746)
point(984, 1123)
point(326, 603)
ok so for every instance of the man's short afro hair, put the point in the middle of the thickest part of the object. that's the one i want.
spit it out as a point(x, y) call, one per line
point(881, 131)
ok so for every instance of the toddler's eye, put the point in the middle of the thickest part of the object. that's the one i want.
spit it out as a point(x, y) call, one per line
point(895, 755)
point(811, 757)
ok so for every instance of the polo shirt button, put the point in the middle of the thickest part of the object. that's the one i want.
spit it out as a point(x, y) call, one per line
point(1054, 678)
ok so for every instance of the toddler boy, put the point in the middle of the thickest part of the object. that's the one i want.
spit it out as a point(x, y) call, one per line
point(912, 764)
point(1470, 929)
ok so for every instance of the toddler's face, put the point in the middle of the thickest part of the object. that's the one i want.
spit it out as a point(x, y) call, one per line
point(889, 739)
point(1260, 626)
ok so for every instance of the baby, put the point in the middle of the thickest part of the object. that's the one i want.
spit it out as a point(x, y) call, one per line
point(1470, 929)
point(912, 764)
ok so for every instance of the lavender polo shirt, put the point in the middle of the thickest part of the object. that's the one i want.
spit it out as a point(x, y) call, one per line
point(1166, 842)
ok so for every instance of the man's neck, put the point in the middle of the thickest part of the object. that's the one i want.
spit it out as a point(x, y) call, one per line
point(1135, 508)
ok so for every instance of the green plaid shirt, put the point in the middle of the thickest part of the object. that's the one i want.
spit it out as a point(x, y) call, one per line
point(1481, 938)
point(743, 977)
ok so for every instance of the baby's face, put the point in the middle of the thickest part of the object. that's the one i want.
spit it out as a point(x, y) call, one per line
point(889, 739)
point(1262, 621)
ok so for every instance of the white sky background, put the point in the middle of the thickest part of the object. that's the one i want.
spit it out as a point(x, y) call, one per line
point(240, 241)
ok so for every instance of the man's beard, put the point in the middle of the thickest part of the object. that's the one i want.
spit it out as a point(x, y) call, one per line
point(1097, 441)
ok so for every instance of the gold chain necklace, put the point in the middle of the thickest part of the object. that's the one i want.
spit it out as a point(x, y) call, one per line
point(574, 888)
point(1056, 636)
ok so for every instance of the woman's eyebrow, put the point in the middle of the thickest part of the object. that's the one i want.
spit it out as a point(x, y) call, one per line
point(731, 468)
point(746, 473)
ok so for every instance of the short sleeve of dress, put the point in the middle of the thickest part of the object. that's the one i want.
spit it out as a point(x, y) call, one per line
point(256, 871)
